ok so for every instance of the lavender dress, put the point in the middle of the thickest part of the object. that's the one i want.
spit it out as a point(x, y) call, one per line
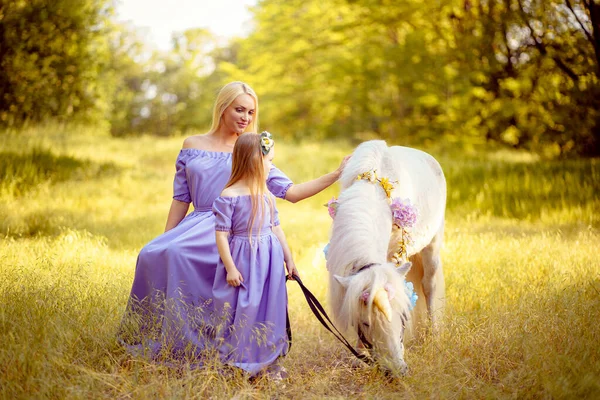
point(172, 288)
point(253, 333)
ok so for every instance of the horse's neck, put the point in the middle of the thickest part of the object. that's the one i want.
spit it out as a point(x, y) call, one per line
point(362, 227)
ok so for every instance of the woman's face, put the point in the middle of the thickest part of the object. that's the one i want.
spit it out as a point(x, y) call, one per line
point(239, 114)
point(268, 161)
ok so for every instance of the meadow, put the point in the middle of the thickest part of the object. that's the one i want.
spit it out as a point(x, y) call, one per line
point(520, 260)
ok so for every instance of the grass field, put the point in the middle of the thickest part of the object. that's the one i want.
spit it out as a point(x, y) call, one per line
point(520, 259)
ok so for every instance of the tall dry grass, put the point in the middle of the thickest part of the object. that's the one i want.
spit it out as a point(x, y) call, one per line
point(520, 259)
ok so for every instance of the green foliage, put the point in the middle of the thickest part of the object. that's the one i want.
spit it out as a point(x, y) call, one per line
point(526, 75)
point(460, 70)
point(521, 73)
point(126, 72)
point(531, 71)
point(52, 54)
point(182, 91)
point(163, 93)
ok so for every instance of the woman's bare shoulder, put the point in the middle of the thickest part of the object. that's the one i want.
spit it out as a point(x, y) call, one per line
point(199, 142)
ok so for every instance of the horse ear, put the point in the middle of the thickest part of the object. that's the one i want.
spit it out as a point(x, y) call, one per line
point(404, 268)
point(343, 280)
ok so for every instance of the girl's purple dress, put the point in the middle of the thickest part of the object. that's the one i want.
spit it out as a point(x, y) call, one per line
point(253, 333)
point(171, 295)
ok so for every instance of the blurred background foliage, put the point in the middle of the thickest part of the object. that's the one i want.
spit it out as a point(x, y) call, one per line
point(519, 73)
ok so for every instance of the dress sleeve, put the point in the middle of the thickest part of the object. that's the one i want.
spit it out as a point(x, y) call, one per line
point(181, 190)
point(223, 210)
point(278, 183)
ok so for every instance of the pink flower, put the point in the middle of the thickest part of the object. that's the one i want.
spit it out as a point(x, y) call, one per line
point(404, 213)
point(365, 296)
point(332, 206)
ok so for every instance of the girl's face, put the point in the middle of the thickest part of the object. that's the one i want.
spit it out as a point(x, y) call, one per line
point(268, 161)
point(239, 114)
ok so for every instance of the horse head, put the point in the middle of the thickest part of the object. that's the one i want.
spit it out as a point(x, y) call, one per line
point(377, 306)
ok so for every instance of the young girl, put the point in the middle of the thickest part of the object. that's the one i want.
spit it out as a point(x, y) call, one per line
point(249, 287)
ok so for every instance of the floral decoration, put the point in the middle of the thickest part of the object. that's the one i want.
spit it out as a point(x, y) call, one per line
point(332, 206)
point(410, 292)
point(371, 176)
point(266, 142)
point(326, 250)
point(404, 214)
point(365, 296)
point(387, 186)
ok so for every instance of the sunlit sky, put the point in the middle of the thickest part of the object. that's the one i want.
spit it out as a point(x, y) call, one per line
point(160, 18)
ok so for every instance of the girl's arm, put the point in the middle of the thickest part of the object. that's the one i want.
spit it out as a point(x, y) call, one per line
point(287, 254)
point(307, 189)
point(177, 211)
point(234, 278)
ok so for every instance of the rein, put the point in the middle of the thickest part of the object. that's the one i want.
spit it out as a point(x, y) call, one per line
point(319, 312)
point(396, 206)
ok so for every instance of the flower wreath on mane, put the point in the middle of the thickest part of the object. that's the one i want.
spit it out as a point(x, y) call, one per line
point(404, 216)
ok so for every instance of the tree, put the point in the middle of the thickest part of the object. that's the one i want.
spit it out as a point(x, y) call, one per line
point(52, 53)
point(533, 72)
point(127, 75)
point(519, 72)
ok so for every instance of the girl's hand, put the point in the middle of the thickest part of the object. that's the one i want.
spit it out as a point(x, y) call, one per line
point(234, 278)
point(291, 268)
point(340, 169)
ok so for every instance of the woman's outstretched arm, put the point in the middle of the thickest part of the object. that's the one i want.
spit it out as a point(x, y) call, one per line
point(177, 212)
point(304, 190)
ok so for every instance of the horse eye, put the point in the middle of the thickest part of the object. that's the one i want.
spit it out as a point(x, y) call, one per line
point(366, 325)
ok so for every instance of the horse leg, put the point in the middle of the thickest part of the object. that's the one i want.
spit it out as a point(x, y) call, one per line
point(433, 279)
point(418, 320)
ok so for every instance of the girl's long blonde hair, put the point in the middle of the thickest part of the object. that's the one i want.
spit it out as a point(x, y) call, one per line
point(247, 165)
point(226, 96)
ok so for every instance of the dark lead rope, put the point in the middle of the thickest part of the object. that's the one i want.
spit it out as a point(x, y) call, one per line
point(322, 316)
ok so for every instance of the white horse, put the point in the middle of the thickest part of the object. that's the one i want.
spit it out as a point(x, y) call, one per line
point(367, 292)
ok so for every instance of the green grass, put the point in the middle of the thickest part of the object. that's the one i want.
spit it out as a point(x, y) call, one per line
point(520, 259)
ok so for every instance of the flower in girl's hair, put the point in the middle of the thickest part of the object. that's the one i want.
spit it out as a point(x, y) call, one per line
point(266, 142)
point(332, 206)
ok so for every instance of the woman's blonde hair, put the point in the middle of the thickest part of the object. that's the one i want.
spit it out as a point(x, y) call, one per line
point(247, 165)
point(226, 96)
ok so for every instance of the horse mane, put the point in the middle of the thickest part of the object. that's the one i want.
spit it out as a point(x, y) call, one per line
point(371, 280)
point(362, 205)
point(360, 235)
point(366, 157)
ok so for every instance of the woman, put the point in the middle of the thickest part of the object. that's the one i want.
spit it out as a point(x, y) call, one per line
point(172, 288)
